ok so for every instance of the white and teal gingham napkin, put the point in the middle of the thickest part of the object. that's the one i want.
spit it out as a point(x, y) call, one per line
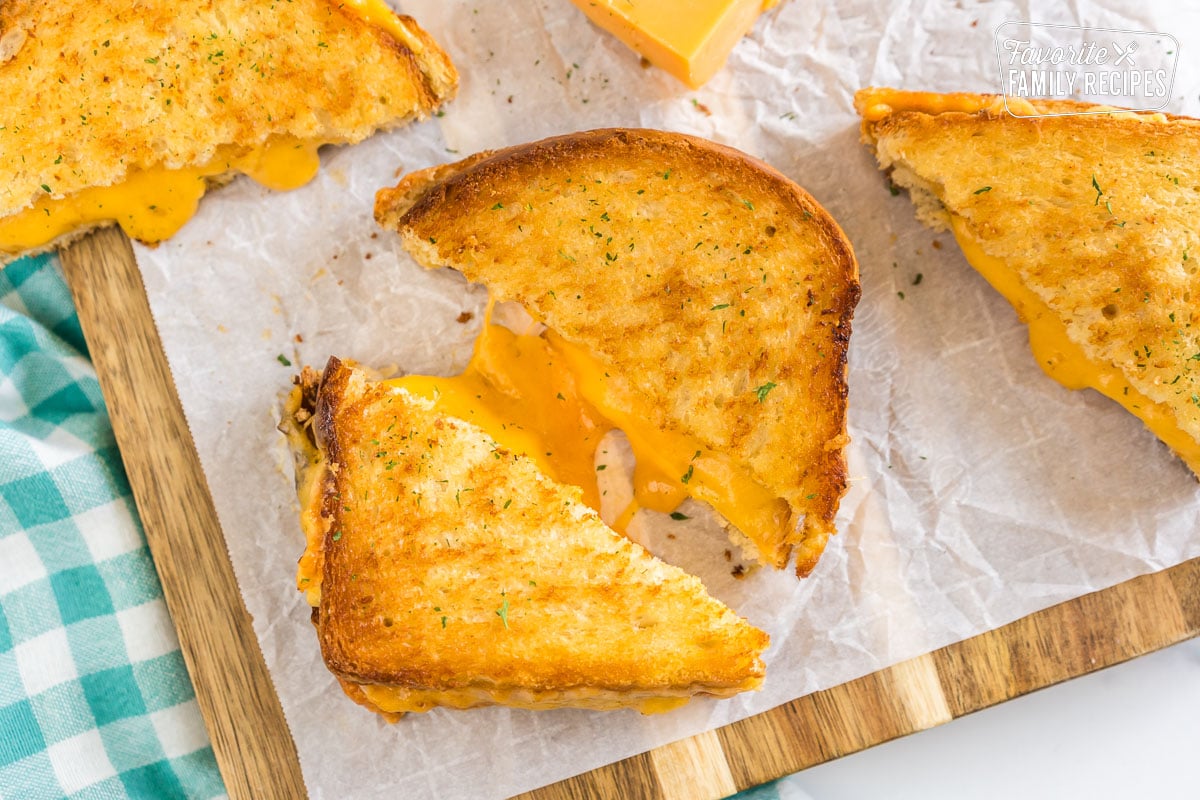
point(95, 701)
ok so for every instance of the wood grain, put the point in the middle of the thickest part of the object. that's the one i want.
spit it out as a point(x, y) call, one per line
point(250, 738)
point(255, 751)
point(1065, 641)
point(681, 766)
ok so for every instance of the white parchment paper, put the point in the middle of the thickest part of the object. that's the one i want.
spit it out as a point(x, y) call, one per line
point(981, 490)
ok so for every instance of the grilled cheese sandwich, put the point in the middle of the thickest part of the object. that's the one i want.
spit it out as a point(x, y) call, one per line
point(700, 301)
point(447, 570)
point(1105, 283)
point(130, 122)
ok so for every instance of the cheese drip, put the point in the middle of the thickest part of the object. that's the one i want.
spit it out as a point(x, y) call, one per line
point(380, 14)
point(152, 204)
point(394, 700)
point(520, 391)
point(1064, 360)
point(550, 400)
point(875, 104)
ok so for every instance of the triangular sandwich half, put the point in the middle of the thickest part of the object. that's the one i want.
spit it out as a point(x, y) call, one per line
point(126, 113)
point(702, 300)
point(446, 570)
point(1086, 223)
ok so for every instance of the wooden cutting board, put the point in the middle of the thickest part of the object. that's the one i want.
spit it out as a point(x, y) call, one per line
point(245, 722)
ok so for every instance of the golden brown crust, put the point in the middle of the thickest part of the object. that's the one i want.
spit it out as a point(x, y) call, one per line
point(451, 564)
point(697, 273)
point(96, 89)
point(1095, 213)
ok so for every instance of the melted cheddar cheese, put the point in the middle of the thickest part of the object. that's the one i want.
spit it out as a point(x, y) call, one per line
point(875, 104)
point(310, 479)
point(379, 14)
point(1063, 359)
point(520, 391)
point(545, 398)
point(670, 466)
point(399, 700)
point(152, 204)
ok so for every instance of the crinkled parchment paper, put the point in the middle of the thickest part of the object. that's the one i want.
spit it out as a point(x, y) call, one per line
point(981, 490)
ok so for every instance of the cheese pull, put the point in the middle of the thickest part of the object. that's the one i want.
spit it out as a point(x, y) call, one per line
point(544, 398)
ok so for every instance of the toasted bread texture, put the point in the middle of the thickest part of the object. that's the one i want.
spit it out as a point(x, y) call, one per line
point(715, 294)
point(454, 573)
point(97, 91)
point(1086, 222)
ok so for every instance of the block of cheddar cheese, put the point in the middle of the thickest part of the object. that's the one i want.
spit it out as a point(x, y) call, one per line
point(690, 40)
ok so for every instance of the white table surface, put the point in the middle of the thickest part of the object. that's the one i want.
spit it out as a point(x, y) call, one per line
point(1130, 731)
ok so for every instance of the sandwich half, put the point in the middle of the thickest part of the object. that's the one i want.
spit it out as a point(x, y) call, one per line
point(446, 570)
point(699, 301)
point(126, 113)
point(1086, 223)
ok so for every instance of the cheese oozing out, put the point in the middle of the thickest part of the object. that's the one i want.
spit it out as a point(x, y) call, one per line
point(543, 397)
point(879, 103)
point(152, 204)
point(1064, 360)
point(394, 700)
point(690, 40)
point(311, 474)
point(519, 390)
point(381, 15)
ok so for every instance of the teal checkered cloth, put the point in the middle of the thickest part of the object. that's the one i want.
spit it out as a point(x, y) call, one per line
point(95, 701)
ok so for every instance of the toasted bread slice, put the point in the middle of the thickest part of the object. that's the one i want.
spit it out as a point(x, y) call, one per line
point(706, 297)
point(119, 112)
point(1086, 223)
point(446, 570)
